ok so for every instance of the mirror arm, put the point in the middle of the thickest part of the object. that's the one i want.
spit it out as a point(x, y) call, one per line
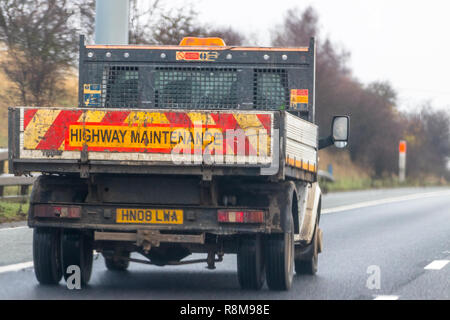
point(325, 142)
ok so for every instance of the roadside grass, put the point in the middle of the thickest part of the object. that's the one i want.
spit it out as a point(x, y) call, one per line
point(349, 176)
point(351, 184)
point(11, 211)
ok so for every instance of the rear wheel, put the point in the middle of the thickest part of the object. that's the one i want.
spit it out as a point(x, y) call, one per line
point(77, 250)
point(250, 263)
point(47, 256)
point(279, 254)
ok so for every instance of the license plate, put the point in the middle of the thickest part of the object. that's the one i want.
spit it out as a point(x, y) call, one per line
point(149, 216)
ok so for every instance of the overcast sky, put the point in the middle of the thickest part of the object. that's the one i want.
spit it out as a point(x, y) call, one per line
point(405, 42)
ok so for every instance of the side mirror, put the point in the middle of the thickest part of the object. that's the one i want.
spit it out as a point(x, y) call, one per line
point(340, 130)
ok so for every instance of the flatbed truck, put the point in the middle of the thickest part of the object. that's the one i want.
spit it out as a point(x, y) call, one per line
point(174, 150)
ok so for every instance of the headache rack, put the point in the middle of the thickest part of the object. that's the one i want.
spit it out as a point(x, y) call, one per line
point(200, 78)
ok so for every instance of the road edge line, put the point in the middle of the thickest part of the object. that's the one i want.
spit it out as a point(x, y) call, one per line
point(16, 267)
point(372, 203)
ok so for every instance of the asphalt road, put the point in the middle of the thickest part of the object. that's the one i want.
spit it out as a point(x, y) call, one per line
point(402, 235)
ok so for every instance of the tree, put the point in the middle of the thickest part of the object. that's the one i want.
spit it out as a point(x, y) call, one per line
point(427, 133)
point(159, 25)
point(140, 28)
point(297, 28)
point(228, 34)
point(332, 76)
point(375, 128)
point(41, 38)
point(175, 25)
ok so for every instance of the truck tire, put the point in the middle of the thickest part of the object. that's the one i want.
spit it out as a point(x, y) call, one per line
point(279, 257)
point(250, 263)
point(47, 256)
point(309, 264)
point(117, 264)
point(77, 249)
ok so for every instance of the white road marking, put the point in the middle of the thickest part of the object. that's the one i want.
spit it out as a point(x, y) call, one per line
point(26, 265)
point(381, 297)
point(437, 265)
point(16, 267)
point(385, 201)
point(13, 228)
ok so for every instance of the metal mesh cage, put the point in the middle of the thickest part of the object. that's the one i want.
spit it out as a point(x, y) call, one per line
point(195, 88)
point(187, 87)
point(270, 89)
point(120, 86)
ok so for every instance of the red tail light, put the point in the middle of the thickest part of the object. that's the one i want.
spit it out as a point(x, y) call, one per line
point(56, 211)
point(232, 216)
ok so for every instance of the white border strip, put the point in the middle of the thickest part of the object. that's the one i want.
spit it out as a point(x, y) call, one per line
point(381, 297)
point(437, 265)
point(16, 267)
point(13, 228)
point(385, 201)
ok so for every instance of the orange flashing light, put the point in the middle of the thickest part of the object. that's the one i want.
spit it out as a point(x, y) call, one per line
point(402, 147)
point(194, 41)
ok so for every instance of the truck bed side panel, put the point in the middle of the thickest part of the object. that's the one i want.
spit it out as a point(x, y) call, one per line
point(301, 146)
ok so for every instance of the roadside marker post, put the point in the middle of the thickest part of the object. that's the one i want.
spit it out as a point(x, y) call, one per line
point(402, 160)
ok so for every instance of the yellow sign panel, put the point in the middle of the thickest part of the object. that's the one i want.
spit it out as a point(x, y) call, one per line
point(149, 216)
point(299, 99)
point(155, 137)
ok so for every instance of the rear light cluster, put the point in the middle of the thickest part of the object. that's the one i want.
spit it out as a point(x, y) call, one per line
point(231, 216)
point(56, 211)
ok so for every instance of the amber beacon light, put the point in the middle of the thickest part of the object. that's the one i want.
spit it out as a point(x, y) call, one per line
point(194, 41)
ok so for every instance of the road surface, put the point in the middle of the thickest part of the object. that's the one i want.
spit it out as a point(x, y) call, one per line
point(383, 244)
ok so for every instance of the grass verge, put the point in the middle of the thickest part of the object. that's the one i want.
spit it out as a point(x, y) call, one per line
point(350, 184)
point(12, 211)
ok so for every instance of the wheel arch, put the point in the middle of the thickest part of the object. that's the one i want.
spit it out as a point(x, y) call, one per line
point(282, 201)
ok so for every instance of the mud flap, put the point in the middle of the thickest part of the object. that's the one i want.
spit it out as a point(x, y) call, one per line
point(312, 211)
point(320, 240)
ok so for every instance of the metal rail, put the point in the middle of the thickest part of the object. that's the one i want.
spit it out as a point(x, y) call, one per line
point(325, 175)
point(11, 180)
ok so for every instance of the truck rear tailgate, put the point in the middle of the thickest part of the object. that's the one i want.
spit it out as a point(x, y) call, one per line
point(114, 140)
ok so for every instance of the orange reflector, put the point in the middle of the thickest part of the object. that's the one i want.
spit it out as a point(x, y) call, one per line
point(232, 216)
point(193, 41)
point(402, 147)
